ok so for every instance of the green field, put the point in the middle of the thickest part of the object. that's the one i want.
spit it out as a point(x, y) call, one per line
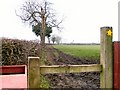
point(81, 51)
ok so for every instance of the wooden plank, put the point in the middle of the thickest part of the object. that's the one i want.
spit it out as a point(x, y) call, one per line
point(70, 68)
point(13, 69)
point(106, 58)
point(33, 72)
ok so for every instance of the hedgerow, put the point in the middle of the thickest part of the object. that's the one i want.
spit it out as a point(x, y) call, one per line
point(16, 52)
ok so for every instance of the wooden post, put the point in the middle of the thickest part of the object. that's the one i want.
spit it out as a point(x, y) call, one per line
point(33, 72)
point(106, 58)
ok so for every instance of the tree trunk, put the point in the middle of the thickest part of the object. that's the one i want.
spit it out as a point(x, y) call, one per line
point(42, 36)
point(43, 31)
point(48, 40)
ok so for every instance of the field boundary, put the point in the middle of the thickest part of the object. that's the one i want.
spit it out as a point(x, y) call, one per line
point(105, 67)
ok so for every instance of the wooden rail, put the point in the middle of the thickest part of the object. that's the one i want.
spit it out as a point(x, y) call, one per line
point(105, 67)
point(70, 68)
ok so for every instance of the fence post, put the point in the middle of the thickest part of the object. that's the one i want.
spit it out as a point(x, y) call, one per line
point(106, 58)
point(33, 72)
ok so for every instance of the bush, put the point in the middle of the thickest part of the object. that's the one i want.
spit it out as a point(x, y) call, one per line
point(16, 52)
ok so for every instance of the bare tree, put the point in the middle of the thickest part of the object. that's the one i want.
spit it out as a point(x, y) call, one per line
point(34, 13)
point(39, 13)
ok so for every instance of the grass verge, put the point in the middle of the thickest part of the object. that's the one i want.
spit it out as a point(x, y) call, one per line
point(81, 51)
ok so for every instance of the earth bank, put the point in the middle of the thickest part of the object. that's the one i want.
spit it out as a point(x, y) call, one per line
point(83, 80)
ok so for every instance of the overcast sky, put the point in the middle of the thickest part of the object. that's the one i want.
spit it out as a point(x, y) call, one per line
point(83, 19)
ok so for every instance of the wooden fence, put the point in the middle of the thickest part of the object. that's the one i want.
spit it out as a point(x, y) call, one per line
point(105, 67)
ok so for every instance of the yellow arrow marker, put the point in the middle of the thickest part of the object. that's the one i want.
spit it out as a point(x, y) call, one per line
point(109, 32)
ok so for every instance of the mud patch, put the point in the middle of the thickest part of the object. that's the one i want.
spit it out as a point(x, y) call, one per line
point(85, 80)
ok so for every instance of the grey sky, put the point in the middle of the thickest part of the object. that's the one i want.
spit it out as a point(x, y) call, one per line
point(83, 19)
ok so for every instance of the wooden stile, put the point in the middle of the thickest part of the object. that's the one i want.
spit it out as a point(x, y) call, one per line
point(105, 67)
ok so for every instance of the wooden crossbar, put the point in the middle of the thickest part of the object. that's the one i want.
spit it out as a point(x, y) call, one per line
point(70, 68)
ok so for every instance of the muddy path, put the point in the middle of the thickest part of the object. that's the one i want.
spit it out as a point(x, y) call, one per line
point(86, 80)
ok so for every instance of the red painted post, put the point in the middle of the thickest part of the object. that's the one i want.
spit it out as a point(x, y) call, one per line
point(117, 65)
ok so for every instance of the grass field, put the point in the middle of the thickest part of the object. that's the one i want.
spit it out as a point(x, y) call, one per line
point(81, 51)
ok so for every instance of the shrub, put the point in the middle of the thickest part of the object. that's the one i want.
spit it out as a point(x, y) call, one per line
point(16, 52)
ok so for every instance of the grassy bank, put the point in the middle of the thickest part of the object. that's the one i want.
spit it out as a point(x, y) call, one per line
point(81, 51)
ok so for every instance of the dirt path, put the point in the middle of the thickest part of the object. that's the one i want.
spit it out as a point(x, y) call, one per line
point(76, 80)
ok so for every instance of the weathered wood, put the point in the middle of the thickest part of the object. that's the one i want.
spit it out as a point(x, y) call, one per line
point(106, 58)
point(33, 72)
point(70, 68)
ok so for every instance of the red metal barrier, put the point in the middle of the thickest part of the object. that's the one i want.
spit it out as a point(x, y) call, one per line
point(117, 65)
point(15, 69)
point(13, 76)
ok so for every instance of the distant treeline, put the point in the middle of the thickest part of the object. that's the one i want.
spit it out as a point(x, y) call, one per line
point(78, 44)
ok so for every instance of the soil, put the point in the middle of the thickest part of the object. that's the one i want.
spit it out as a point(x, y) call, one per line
point(85, 80)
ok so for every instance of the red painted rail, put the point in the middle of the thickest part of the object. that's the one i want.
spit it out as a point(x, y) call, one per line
point(117, 65)
point(16, 69)
point(13, 76)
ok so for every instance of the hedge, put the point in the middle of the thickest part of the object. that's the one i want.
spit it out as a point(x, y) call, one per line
point(16, 52)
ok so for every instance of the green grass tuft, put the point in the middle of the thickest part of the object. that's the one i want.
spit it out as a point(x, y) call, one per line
point(44, 83)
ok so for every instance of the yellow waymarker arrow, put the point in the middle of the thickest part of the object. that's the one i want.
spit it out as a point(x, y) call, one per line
point(109, 32)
